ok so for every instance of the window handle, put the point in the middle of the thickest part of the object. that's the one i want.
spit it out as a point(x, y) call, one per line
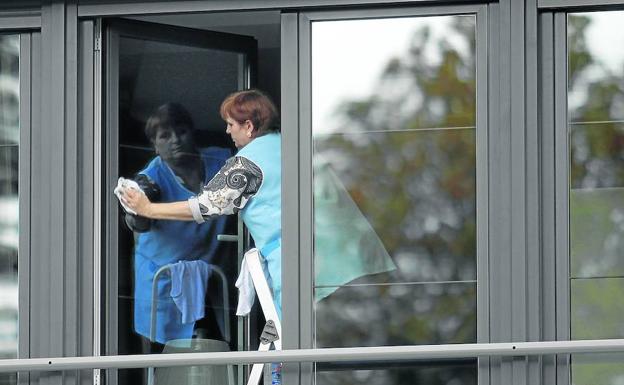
point(227, 238)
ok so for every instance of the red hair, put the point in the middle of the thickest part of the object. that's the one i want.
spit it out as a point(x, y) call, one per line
point(252, 105)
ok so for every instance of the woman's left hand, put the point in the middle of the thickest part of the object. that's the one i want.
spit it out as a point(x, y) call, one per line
point(137, 201)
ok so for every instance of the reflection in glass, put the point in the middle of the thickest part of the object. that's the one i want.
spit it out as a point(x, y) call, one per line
point(597, 308)
point(596, 155)
point(591, 369)
point(9, 207)
point(391, 373)
point(393, 125)
point(172, 141)
point(596, 215)
point(401, 314)
point(595, 69)
point(187, 375)
point(597, 232)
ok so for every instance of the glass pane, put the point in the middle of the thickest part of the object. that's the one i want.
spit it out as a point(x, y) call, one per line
point(402, 203)
point(595, 69)
point(597, 308)
point(597, 232)
point(172, 141)
point(377, 315)
point(187, 375)
point(596, 159)
point(9, 207)
point(591, 369)
point(596, 137)
point(392, 373)
point(393, 124)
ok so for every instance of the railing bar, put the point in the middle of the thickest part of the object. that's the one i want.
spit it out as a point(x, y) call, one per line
point(361, 354)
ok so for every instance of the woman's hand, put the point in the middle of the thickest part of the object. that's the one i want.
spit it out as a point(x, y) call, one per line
point(137, 201)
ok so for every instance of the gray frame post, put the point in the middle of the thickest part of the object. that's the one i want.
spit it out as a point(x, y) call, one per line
point(547, 161)
point(290, 191)
point(87, 141)
point(55, 238)
point(23, 263)
point(561, 148)
point(515, 201)
point(483, 188)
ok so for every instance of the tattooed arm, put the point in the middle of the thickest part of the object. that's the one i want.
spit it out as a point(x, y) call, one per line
point(228, 192)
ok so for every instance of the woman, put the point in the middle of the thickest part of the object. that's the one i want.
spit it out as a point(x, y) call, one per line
point(249, 182)
point(179, 171)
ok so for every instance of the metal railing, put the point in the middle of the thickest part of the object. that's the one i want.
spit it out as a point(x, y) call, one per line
point(359, 354)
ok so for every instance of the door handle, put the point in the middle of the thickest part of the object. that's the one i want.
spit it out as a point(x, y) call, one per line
point(227, 238)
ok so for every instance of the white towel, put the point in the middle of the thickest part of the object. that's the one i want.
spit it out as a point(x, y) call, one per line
point(123, 184)
point(246, 291)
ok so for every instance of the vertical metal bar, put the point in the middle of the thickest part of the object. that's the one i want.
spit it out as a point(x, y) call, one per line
point(482, 169)
point(110, 160)
point(306, 219)
point(547, 214)
point(97, 187)
point(489, 372)
point(71, 188)
point(533, 203)
point(290, 191)
point(36, 274)
point(86, 140)
point(562, 278)
point(23, 263)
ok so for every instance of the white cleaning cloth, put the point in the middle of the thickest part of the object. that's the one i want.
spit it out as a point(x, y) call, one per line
point(123, 184)
point(246, 291)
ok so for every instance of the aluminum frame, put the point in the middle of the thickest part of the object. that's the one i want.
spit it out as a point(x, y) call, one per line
point(116, 8)
point(306, 265)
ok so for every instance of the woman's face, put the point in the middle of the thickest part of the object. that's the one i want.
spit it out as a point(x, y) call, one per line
point(174, 143)
point(241, 133)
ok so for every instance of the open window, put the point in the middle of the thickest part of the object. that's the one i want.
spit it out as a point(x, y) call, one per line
point(164, 86)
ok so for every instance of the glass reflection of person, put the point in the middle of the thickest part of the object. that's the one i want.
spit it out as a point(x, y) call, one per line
point(178, 172)
point(250, 182)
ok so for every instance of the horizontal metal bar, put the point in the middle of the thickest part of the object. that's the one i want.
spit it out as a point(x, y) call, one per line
point(572, 4)
point(20, 20)
point(120, 8)
point(360, 354)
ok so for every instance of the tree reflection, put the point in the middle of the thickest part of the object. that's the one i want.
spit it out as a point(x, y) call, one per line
point(406, 154)
point(596, 101)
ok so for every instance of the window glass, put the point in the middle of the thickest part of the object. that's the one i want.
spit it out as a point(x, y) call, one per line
point(394, 373)
point(596, 137)
point(9, 207)
point(175, 278)
point(393, 123)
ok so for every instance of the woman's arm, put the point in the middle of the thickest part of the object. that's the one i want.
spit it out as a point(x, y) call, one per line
point(141, 204)
point(226, 193)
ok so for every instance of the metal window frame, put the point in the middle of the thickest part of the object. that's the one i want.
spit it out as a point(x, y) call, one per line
point(25, 25)
point(578, 4)
point(119, 8)
point(509, 41)
point(305, 221)
point(20, 20)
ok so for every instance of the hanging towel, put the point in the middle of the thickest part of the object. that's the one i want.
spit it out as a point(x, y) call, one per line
point(122, 184)
point(189, 280)
point(246, 291)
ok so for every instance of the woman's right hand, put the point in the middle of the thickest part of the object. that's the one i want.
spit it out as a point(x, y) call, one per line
point(137, 201)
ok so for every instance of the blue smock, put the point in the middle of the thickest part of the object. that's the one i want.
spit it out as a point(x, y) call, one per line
point(169, 242)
